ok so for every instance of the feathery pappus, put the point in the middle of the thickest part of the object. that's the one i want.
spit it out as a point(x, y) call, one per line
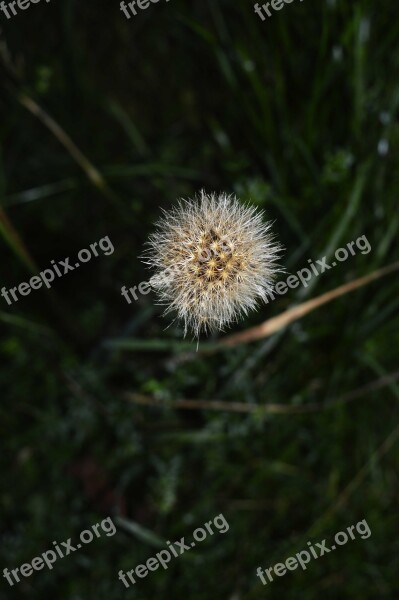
point(214, 259)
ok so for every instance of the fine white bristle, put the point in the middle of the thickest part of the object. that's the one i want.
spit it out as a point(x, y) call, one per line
point(214, 259)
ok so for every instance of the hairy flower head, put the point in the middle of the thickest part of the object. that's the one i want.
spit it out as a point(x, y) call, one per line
point(214, 259)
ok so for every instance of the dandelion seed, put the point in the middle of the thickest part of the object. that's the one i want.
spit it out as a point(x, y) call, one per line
point(221, 259)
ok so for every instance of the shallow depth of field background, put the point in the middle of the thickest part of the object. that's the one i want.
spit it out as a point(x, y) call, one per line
point(297, 115)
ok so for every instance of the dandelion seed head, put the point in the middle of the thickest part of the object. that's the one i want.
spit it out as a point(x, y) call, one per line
point(220, 258)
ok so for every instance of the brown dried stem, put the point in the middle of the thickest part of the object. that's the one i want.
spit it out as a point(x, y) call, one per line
point(242, 407)
point(273, 325)
point(92, 173)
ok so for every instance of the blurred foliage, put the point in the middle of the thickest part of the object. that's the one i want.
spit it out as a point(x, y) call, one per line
point(297, 115)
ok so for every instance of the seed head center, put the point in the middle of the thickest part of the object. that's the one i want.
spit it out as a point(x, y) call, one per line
point(213, 259)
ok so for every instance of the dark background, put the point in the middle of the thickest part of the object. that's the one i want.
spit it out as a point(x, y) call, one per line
point(298, 115)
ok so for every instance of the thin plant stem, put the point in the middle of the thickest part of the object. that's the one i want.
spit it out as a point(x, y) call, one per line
point(273, 325)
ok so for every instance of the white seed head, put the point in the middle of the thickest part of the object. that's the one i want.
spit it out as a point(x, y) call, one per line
point(214, 259)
